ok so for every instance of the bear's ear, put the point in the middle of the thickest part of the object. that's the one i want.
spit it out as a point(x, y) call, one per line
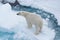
point(25, 13)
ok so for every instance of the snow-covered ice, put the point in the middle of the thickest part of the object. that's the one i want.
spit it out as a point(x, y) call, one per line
point(9, 1)
point(25, 2)
point(9, 20)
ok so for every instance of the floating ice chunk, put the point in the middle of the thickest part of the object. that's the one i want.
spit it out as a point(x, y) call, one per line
point(10, 1)
point(8, 18)
point(25, 2)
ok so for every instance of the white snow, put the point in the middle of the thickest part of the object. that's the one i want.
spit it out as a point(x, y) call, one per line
point(11, 1)
point(52, 6)
point(9, 20)
point(25, 2)
point(46, 34)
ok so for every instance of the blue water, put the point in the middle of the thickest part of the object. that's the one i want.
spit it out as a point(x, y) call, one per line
point(6, 34)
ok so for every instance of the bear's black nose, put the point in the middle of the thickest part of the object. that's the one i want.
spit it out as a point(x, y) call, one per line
point(17, 14)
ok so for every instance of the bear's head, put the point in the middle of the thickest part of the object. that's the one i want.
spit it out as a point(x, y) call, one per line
point(23, 13)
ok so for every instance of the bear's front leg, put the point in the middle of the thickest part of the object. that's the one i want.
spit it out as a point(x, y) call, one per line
point(29, 24)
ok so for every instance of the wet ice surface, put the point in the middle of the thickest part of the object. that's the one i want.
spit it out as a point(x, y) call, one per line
point(14, 27)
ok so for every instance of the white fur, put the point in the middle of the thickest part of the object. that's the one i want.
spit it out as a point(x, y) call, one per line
point(33, 19)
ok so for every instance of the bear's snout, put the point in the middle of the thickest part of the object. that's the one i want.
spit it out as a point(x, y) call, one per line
point(17, 13)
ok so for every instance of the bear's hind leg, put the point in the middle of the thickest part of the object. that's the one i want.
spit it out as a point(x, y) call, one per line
point(38, 29)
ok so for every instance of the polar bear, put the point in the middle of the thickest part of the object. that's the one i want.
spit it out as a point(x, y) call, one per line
point(32, 19)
